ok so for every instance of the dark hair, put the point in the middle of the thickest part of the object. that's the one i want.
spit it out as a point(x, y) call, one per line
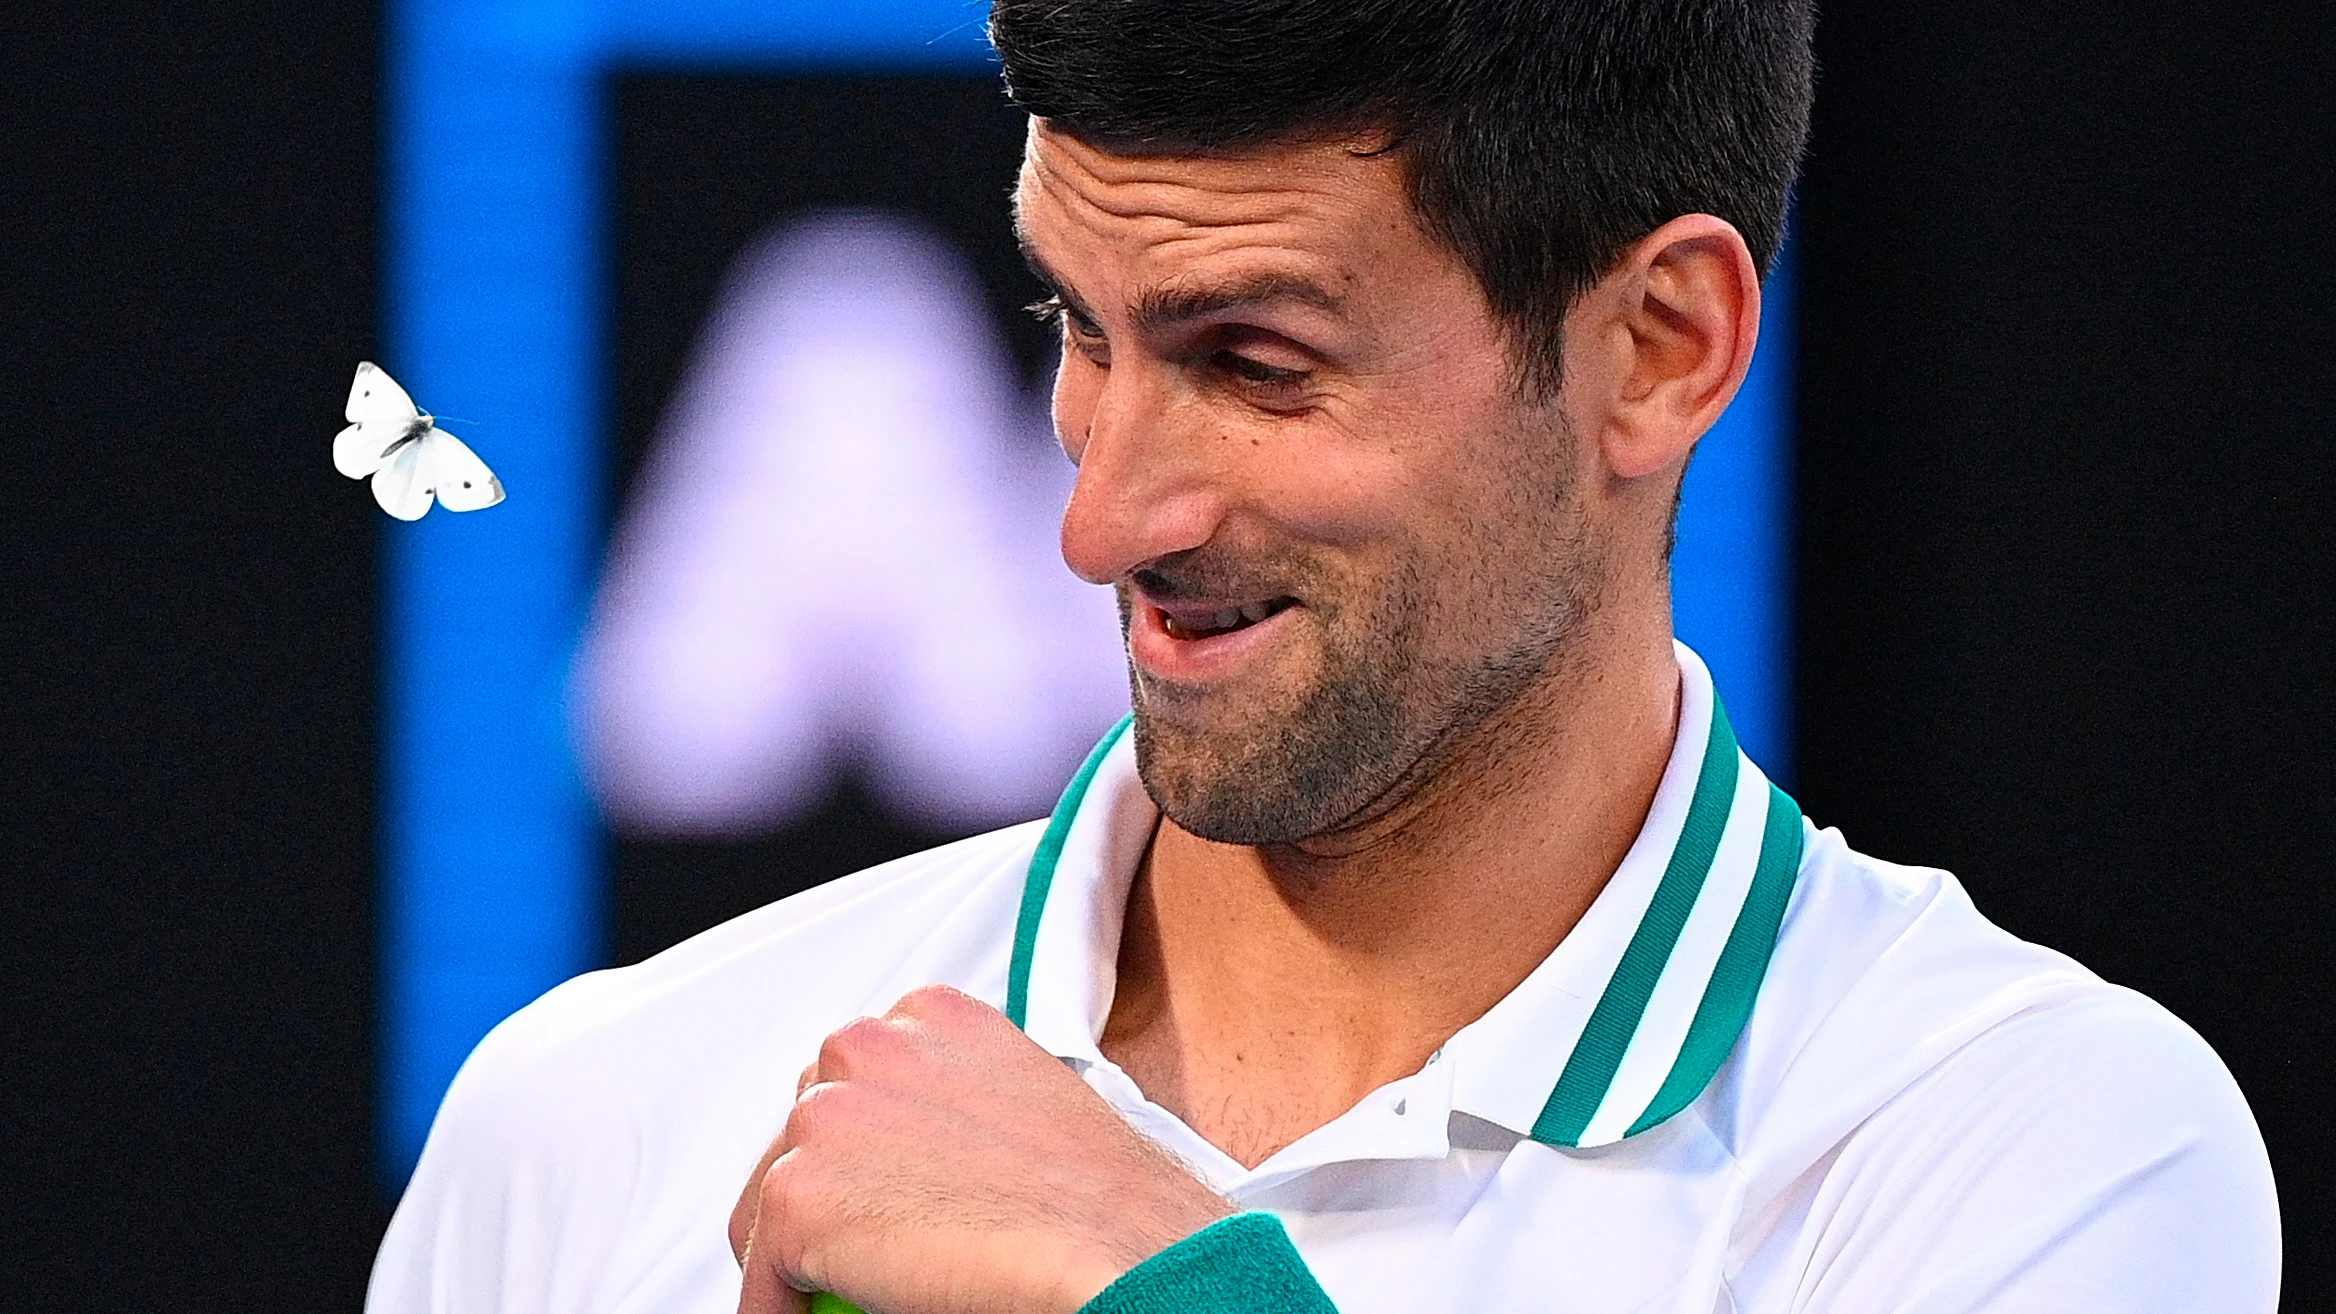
point(1542, 137)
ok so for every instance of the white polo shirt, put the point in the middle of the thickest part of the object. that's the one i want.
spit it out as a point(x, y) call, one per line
point(1764, 1073)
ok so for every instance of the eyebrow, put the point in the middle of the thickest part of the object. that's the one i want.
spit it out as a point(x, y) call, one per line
point(1164, 307)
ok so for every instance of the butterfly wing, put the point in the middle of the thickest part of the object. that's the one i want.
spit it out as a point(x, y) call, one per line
point(374, 396)
point(380, 415)
point(463, 481)
point(360, 449)
point(402, 484)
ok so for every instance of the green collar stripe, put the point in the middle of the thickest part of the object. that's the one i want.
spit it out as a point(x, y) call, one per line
point(1041, 878)
point(1735, 981)
point(1590, 1069)
point(1724, 999)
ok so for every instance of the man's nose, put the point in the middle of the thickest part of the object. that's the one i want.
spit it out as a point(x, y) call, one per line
point(1148, 482)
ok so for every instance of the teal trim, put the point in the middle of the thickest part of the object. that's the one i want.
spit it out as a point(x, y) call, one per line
point(1590, 1069)
point(1244, 1264)
point(1743, 965)
point(1041, 877)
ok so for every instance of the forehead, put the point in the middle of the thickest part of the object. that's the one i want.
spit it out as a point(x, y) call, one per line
point(1328, 208)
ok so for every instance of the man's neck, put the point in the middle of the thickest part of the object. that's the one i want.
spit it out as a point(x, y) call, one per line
point(1263, 992)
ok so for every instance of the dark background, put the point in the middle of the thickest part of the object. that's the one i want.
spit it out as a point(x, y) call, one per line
point(2065, 473)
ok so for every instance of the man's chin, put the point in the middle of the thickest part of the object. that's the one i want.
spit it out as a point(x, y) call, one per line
point(1195, 767)
point(1253, 778)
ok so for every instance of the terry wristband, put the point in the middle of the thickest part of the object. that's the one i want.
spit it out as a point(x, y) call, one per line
point(1244, 1263)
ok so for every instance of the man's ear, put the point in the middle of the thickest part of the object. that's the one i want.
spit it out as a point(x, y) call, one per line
point(1663, 343)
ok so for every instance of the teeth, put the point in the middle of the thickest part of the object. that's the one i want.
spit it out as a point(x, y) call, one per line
point(1216, 622)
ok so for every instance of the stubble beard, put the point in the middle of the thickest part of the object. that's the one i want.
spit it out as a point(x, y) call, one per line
point(1385, 711)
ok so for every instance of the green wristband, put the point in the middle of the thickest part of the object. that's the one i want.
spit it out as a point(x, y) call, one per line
point(1245, 1262)
point(1239, 1265)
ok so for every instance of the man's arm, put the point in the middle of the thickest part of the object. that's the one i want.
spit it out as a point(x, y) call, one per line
point(938, 1162)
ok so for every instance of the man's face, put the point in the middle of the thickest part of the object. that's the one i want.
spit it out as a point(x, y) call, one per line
point(1341, 537)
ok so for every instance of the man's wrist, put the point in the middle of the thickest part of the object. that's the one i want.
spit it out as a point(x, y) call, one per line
point(1139, 1244)
point(1242, 1263)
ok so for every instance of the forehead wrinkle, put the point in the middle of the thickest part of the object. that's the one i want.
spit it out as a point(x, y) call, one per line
point(1172, 218)
point(1172, 239)
point(1138, 188)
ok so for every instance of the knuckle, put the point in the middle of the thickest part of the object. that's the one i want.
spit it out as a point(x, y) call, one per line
point(810, 1115)
point(856, 1041)
point(824, 1112)
point(934, 1002)
point(779, 1190)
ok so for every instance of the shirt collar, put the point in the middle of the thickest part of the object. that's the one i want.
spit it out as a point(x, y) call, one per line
point(1624, 1023)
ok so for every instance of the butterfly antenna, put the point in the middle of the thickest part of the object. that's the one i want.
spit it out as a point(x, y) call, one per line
point(974, 21)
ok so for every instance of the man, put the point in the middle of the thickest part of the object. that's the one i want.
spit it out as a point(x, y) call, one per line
point(1426, 942)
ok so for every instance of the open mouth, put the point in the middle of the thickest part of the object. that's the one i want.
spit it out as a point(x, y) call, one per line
point(1193, 623)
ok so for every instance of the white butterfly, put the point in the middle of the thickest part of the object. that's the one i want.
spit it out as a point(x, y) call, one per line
point(410, 458)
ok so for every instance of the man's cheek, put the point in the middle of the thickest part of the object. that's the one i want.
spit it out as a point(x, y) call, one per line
point(1337, 503)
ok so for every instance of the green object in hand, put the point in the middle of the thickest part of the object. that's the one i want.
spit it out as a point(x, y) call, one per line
point(823, 1303)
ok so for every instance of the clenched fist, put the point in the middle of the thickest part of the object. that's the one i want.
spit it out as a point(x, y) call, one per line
point(938, 1162)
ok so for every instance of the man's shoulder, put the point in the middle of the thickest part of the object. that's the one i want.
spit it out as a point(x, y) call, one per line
point(1892, 998)
point(1943, 1102)
point(770, 982)
point(608, 1125)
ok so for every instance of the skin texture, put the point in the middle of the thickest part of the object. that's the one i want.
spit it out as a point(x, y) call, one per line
point(937, 1160)
point(1386, 802)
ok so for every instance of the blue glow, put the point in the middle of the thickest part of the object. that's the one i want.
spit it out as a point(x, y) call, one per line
point(492, 885)
point(492, 882)
point(492, 875)
point(735, 33)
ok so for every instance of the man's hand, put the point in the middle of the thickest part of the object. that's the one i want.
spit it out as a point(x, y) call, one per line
point(938, 1162)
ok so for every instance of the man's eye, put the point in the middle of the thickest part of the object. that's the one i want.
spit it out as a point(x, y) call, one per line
point(1257, 371)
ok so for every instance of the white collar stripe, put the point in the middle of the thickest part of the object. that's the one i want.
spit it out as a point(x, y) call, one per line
point(1614, 1023)
point(1743, 965)
point(1669, 1014)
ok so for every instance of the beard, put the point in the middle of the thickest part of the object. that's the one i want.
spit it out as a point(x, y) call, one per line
point(1408, 667)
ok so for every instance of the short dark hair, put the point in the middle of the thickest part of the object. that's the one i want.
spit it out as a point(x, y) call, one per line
point(1542, 137)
